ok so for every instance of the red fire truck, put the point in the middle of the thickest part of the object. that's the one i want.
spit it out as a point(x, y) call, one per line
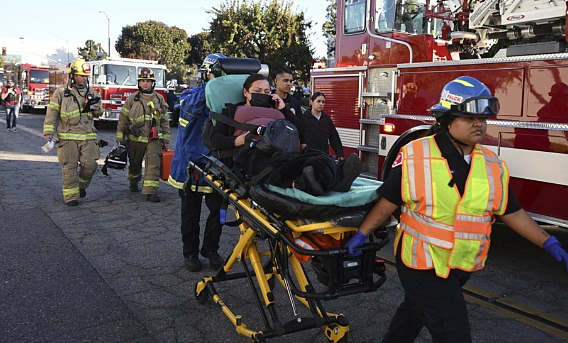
point(393, 57)
point(115, 79)
point(34, 83)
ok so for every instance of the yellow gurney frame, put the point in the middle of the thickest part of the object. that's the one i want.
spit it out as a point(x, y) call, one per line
point(280, 264)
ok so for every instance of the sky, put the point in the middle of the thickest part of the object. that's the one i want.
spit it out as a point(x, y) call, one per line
point(72, 23)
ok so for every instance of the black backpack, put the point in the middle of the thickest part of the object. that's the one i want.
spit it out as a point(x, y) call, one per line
point(279, 135)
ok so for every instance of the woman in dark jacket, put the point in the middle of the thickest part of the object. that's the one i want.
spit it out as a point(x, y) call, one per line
point(256, 90)
point(319, 129)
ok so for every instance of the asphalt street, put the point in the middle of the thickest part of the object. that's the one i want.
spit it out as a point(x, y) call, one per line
point(111, 269)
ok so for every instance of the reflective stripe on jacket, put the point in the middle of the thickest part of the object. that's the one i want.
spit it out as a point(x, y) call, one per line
point(139, 109)
point(64, 115)
point(443, 229)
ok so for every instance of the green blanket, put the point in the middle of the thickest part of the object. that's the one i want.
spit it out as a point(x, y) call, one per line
point(363, 191)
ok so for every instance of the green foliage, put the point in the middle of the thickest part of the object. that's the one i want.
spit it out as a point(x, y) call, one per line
point(179, 72)
point(89, 52)
point(153, 40)
point(270, 31)
point(331, 20)
point(201, 46)
point(329, 27)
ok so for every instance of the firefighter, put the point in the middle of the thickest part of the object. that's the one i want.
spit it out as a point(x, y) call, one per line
point(144, 122)
point(70, 114)
point(189, 147)
point(448, 187)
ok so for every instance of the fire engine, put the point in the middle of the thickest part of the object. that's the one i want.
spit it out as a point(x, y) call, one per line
point(115, 79)
point(393, 57)
point(34, 82)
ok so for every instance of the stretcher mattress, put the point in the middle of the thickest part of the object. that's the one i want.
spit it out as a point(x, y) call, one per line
point(344, 208)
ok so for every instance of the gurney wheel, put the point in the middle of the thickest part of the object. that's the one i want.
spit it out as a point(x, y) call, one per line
point(203, 295)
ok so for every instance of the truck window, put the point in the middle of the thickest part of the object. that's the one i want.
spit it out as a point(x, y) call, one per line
point(120, 75)
point(354, 19)
point(39, 76)
point(400, 16)
point(160, 75)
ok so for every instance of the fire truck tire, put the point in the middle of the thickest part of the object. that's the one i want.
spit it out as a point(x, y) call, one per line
point(405, 138)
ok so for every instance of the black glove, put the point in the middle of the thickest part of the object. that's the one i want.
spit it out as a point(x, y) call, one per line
point(135, 130)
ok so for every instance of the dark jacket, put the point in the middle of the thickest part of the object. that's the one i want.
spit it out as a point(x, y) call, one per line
point(294, 104)
point(223, 138)
point(322, 133)
point(250, 161)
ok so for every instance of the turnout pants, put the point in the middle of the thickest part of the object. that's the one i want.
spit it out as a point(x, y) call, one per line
point(70, 153)
point(136, 152)
point(433, 302)
point(190, 217)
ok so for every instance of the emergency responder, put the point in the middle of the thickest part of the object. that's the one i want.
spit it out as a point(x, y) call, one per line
point(189, 147)
point(70, 114)
point(144, 122)
point(449, 187)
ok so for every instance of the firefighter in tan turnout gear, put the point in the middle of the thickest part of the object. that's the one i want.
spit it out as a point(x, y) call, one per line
point(70, 115)
point(143, 121)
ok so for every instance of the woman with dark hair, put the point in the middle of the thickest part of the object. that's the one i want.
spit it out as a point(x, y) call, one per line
point(256, 90)
point(319, 128)
point(314, 172)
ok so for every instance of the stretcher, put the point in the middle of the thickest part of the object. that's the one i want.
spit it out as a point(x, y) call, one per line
point(269, 251)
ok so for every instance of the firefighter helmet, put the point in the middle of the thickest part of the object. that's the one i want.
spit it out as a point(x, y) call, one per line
point(466, 97)
point(79, 67)
point(146, 74)
point(211, 65)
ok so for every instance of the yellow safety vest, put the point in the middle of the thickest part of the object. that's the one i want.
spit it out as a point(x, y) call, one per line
point(440, 228)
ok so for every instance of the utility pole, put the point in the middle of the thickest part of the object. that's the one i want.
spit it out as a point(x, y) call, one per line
point(108, 21)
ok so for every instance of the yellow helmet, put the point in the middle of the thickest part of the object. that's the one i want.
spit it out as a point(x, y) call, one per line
point(80, 67)
point(146, 74)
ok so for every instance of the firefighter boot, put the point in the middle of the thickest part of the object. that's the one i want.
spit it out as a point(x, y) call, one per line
point(134, 187)
point(153, 198)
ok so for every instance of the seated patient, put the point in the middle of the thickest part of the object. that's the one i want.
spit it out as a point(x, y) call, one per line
point(316, 171)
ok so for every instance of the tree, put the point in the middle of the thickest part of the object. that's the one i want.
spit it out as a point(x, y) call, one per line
point(271, 32)
point(201, 46)
point(91, 51)
point(329, 27)
point(153, 40)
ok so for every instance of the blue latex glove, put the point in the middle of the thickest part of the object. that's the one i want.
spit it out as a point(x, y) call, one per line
point(554, 248)
point(355, 242)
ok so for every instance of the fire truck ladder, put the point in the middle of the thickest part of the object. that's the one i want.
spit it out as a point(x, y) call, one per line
point(377, 100)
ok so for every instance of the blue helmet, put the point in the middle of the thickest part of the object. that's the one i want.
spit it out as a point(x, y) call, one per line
point(466, 97)
point(211, 65)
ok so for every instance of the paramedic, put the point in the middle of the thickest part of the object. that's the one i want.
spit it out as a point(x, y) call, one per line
point(189, 147)
point(66, 114)
point(144, 118)
point(445, 225)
